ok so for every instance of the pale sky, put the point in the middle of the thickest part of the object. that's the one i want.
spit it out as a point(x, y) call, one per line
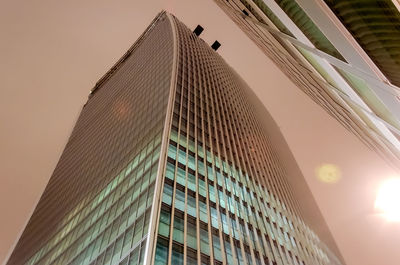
point(53, 52)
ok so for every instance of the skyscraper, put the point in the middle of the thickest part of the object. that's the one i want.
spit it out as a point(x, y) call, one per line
point(342, 54)
point(173, 161)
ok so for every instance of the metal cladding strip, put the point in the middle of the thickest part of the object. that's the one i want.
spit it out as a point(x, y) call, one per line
point(155, 209)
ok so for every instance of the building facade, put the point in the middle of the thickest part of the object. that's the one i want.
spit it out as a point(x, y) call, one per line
point(342, 54)
point(170, 163)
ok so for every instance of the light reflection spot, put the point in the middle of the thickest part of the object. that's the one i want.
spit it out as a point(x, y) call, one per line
point(388, 199)
point(328, 173)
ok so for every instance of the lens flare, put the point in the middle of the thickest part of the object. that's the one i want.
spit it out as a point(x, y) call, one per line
point(388, 199)
point(328, 173)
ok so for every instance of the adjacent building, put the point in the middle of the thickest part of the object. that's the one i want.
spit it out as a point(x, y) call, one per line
point(170, 163)
point(345, 55)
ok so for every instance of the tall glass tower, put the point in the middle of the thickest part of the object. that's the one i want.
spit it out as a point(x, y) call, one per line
point(172, 161)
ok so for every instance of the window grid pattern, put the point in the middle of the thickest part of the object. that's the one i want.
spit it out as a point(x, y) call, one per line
point(225, 198)
point(306, 73)
point(96, 207)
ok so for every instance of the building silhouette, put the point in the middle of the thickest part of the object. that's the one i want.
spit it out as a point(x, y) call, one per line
point(342, 54)
point(174, 161)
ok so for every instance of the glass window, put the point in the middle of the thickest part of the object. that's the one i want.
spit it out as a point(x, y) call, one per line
point(127, 240)
point(236, 189)
point(134, 257)
point(217, 162)
point(224, 223)
point(191, 209)
point(142, 203)
point(180, 200)
point(167, 194)
point(242, 192)
point(228, 252)
point(200, 168)
point(209, 157)
point(178, 229)
point(87, 253)
point(243, 232)
point(156, 154)
point(228, 183)
point(105, 237)
point(174, 136)
point(210, 173)
point(225, 167)
point(107, 257)
point(219, 178)
point(150, 195)
point(214, 217)
point(204, 243)
point(132, 211)
point(163, 228)
point(192, 146)
point(252, 237)
point(117, 250)
point(203, 212)
point(191, 162)
point(97, 246)
point(239, 256)
point(124, 218)
point(191, 182)
point(221, 199)
point(138, 231)
point(182, 140)
point(200, 151)
point(211, 192)
point(148, 162)
point(191, 234)
point(153, 174)
point(217, 248)
point(136, 190)
point(231, 206)
point(202, 188)
point(182, 157)
point(172, 151)
point(177, 255)
point(170, 171)
point(161, 257)
point(128, 197)
point(181, 177)
point(234, 228)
